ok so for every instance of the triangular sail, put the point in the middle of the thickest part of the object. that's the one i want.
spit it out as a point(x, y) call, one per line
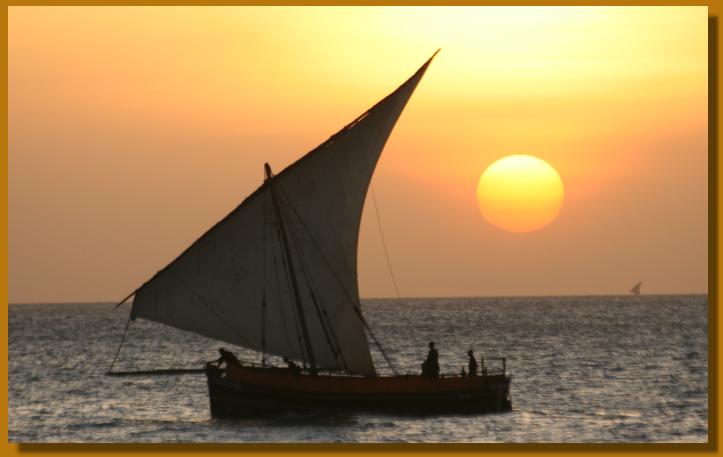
point(235, 276)
point(636, 288)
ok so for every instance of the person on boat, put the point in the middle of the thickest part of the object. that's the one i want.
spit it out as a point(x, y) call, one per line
point(228, 358)
point(294, 368)
point(472, 363)
point(430, 367)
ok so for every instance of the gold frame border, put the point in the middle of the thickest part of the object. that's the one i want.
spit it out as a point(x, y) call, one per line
point(491, 449)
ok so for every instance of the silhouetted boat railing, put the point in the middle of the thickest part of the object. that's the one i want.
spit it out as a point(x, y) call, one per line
point(499, 368)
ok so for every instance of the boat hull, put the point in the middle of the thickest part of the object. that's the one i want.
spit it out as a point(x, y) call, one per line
point(247, 391)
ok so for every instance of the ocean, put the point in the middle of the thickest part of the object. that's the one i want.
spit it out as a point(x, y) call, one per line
point(587, 369)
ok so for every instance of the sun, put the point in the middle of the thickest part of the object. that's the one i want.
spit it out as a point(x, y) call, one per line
point(520, 193)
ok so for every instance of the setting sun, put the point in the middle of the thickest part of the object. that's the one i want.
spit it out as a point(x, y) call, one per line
point(520, 193)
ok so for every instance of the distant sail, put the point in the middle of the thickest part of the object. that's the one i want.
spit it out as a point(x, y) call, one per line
point(216, 287)
point(636, 288)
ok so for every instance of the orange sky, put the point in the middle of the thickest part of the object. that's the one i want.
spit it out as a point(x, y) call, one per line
point(134, 129)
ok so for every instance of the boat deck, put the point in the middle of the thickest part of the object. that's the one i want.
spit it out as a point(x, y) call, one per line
point(247, 391)
point(282, 378)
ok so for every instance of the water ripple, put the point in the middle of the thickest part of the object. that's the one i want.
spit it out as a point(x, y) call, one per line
point(585, 369)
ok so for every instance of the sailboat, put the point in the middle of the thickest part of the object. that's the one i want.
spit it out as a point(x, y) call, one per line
point(636, 288)
point(278, 275)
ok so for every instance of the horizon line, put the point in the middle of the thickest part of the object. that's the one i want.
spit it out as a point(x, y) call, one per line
point(412, 297)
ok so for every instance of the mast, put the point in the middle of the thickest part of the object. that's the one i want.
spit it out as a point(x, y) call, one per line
point(292, 274)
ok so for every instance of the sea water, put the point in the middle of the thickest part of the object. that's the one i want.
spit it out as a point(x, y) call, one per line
point(584, 369)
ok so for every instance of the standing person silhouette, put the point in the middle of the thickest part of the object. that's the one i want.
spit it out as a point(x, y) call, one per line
point(472, 363)
point(430, 367)
point(228, 358)
point(293, 368)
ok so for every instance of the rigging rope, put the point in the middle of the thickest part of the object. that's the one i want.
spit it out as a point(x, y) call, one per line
point(125, 332)
point(376, 341)
point(410, 326)
point(338, 280)
point(297, 319)
point(321, 313)
point(281, 304)
point(128, 322)
point(384, 243)
point(370, 168)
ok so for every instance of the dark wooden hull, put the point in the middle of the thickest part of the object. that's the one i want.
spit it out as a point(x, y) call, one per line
point(248, 391)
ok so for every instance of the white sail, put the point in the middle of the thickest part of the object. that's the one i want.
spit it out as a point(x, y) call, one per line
point(217, 286)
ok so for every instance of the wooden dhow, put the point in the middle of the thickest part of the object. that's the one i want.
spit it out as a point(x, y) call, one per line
point(278, 275)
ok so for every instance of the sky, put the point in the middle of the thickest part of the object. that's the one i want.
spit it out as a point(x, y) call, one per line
point(132, 130)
